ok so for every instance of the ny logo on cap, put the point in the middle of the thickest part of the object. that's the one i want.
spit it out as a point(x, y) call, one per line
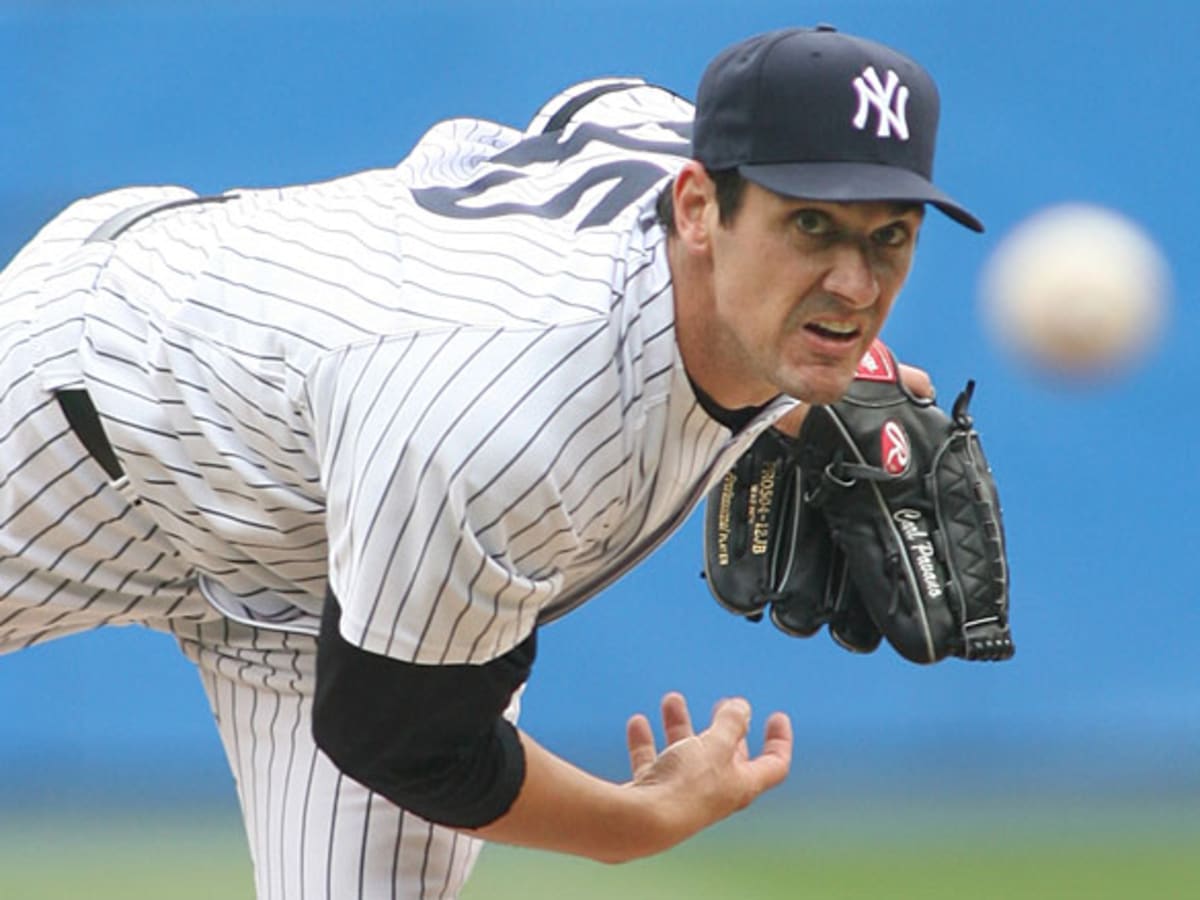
point(887, 100)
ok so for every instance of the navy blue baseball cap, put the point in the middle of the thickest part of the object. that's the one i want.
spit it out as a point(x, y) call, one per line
point(821, 115)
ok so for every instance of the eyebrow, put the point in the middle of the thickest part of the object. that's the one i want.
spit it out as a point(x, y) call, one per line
point(897, 208)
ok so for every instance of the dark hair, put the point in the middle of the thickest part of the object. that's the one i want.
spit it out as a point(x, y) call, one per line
point(730, 185)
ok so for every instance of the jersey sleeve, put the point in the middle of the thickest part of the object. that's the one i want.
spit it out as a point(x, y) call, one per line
point(463, 469)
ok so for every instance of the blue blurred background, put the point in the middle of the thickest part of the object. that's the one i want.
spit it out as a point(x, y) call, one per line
point(1042, 102)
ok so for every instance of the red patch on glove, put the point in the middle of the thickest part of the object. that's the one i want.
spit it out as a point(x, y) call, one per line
point(877, 364)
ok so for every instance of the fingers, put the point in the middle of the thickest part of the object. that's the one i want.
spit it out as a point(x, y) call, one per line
point(720, 757)
point(677, 721)
point(730, 726)
point(639, 738)
point(771, 767)
point(917, 381)
point(731, 720)
point(778, 740)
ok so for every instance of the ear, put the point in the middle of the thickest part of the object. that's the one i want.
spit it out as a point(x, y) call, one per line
point(695, 199)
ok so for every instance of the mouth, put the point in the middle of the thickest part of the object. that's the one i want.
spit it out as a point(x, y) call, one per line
point(834, 331)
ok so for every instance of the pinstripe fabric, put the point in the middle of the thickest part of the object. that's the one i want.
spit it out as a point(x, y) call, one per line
point(76, 550)
point(449, 390)
point(462, 373)
point(314, 834)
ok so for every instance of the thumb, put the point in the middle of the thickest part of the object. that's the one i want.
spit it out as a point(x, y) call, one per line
point(918, 381)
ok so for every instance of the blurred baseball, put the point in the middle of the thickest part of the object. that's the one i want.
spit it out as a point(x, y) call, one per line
point(1077, 290)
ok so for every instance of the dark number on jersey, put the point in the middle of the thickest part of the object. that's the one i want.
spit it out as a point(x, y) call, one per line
point(631, 178)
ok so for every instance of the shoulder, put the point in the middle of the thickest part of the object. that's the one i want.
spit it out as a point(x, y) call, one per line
point(453, 149)
point(614, 101)
point(584, 161)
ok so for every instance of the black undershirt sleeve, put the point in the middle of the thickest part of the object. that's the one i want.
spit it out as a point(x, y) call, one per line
point(429, 738)
point(733, 419)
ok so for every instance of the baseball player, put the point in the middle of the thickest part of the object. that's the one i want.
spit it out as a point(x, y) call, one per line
point(355, 443)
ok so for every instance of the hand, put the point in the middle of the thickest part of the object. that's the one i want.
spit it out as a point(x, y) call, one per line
point(697, 780)
point(702, 778)
point(916, 380)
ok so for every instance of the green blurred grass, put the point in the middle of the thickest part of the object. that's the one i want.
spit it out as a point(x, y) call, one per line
point(919, 867)
point(847, 851)
point(123, 855)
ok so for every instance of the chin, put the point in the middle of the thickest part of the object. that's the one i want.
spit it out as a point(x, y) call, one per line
point(821, 398)
point(822, 388)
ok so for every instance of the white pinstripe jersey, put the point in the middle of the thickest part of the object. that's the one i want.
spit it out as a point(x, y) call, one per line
point(451, 388)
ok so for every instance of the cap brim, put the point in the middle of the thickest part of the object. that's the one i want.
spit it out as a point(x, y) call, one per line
point(846, 182)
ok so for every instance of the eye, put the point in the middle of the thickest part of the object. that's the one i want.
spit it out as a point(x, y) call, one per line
point(897, 234)
point(814, 222)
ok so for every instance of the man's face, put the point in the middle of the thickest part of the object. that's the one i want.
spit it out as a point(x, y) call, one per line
point(801, 288)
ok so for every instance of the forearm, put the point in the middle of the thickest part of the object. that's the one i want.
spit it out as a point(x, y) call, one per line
point(564, 809)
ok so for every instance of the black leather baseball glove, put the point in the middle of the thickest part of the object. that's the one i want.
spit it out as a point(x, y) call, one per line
point(881, 518)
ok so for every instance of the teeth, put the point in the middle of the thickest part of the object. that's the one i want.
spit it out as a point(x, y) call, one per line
point(836, 327)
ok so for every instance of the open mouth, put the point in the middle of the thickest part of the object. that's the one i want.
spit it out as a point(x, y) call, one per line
point(833, 331)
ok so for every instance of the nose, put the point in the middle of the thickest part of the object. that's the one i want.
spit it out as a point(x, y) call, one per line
point(851, 277)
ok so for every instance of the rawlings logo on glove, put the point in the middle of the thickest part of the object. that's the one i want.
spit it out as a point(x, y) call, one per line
point(880, 520)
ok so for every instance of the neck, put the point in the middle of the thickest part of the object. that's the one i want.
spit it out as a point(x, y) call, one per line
point(712, 363)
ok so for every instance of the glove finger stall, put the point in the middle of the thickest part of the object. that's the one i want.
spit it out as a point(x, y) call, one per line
point(748, 526)
point(968, 511)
